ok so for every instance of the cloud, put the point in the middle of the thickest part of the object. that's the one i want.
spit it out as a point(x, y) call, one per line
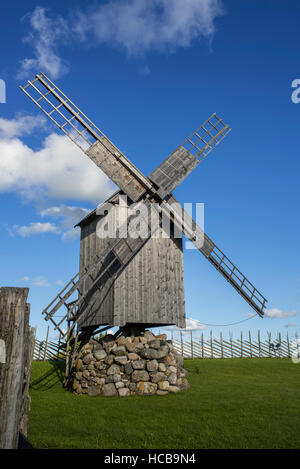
point(39, 281)
point(69, 216)
point(278, 313)
point(21, 125)
point(58, 170)
point(141, 26)
point(35, 228)
point(44, 36)
point(191, 325)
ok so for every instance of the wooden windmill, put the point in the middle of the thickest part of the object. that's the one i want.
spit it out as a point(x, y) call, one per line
point(134, 282)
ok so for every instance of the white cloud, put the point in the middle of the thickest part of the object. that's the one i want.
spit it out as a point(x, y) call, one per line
point(40, 281)
point(35, 228)
point(70, 216)
point(45, 34)
point(191, 325)
point(58, 170)
point(21, 125)
point(278, 313)
point(59, 283)
point(140, 26)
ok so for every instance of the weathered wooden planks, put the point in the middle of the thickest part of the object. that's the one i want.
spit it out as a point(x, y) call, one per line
point(14, 373)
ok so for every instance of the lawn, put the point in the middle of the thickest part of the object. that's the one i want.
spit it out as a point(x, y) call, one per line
point(233, 403)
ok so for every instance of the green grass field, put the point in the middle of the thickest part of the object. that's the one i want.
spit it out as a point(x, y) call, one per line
point(233, 403)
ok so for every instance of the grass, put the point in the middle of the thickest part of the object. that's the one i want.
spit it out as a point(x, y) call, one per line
point(233, 403)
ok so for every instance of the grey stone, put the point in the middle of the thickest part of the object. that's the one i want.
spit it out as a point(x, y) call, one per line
point(162, 367)
point(94, 391)
point(132, 387)
point(173, 389)
point(128, 368)
point(116, 378)
point(87, 358)
point(154, 343)
point(124, 392)
point(100, 354)
point(97, 347)
point(152, 365)
point(150, 354)
point(113, 370)
point(161, 393)
point(134, 347)
point(138, 364)
point(109, 359)
point(85, 373)
point(157, 377)
point(119, 351)
point(172, 378)
point(133, 356)
point(140, 375)
point(146, 388)
point(119, 384)
point(163, 351)
point(121, 359)
point(164, 385)
point(109, 390)
point(148, 335)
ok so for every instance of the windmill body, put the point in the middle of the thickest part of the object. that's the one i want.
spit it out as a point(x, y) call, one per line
point(134, 280)
point(150, 289)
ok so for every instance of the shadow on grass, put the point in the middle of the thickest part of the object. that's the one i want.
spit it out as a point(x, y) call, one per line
point(49, 379)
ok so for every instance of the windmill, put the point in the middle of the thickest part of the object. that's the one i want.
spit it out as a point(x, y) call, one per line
point(118, 283)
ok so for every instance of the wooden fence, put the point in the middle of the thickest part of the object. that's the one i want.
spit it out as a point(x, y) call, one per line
point(242, 347)
point(190, 345)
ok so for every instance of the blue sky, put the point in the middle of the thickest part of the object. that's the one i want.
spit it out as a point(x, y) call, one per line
point(149, 73)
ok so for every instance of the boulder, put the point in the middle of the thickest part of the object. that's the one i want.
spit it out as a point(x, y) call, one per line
point(113, 369)
point(100, 354)
point(146, 388)
point(124, 392)
point(140, 375)
point(152, 365)
point(109, 390)
point(94, 391)
point(138, 364)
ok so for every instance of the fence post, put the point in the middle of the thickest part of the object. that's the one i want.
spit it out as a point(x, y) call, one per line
point(15, 371)
point(250, 343)
point(288, 344)
point(241, 344)
point(181, 343)
point(258, 340)
point(221, 342)
point(46, 343)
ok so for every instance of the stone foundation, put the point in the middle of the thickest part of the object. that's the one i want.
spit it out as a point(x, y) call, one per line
point(145, 364)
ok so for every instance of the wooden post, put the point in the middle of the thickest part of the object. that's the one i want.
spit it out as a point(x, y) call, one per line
point(250, 343)
point(46, 343)
point(221, 342)
point(181, 340)
point(14, 373)
point(241, 344)
point(258, 339)
point(288, 344)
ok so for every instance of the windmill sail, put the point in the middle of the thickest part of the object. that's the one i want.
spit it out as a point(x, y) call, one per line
point(216, 257)
point(82, 131)
point(177, 166)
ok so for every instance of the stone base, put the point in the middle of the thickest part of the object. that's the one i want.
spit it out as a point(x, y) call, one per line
point(144, 364)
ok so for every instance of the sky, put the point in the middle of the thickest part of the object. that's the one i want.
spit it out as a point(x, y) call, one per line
point(148, 73)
